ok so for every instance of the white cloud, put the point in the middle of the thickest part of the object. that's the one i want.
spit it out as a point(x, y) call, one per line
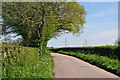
point(100, 38)
point(105, 37)
point(105, 34)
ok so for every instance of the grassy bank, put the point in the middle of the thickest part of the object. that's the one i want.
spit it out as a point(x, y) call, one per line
point(111, 65)
point(23, 62)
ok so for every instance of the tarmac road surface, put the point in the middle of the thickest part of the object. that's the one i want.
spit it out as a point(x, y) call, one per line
point(71, 67)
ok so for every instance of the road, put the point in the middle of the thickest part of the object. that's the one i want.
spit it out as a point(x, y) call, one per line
point(71, 67)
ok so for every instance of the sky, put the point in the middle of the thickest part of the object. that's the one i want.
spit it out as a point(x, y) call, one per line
point(101, 27)
point(59, 0)
point(97, 0)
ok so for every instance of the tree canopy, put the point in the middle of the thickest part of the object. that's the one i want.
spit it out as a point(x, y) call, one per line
point(38, 22)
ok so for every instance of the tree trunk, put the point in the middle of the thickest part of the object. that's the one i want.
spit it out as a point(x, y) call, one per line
point(42, 49)
point(41, 33)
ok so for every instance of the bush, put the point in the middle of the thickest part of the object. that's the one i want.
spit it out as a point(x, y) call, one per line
point(23, 62)
point(109, 51)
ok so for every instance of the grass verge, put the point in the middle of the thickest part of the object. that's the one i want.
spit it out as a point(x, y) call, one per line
point(106, 63)
point(23, 62)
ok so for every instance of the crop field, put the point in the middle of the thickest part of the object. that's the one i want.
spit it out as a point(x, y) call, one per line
point(23, 62)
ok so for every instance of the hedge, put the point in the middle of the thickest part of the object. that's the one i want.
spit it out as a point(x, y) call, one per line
point(109, 51)
point(111, 65)
point(23, 62)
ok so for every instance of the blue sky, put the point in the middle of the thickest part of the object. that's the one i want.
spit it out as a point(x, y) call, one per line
point(101, 27)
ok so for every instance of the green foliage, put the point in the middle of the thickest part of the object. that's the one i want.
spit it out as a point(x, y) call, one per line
point(23, 62)
point(38, 22)
point(41, 20)
point(109, 51)
point(112, 65)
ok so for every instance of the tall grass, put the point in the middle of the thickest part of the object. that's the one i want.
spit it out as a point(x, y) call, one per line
point(23, 62)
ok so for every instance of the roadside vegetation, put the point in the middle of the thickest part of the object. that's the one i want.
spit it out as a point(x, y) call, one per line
point(111, 63)
point(112, 52)
point(35, 23)
point(23, 62)
point(38, 22)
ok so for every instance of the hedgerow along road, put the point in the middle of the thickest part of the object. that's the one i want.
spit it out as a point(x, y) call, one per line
point(71, 67)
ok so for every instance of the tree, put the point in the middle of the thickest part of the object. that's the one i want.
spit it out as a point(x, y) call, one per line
point(39, 22)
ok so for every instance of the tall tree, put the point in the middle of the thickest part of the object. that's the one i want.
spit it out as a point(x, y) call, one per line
point(38, 22)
